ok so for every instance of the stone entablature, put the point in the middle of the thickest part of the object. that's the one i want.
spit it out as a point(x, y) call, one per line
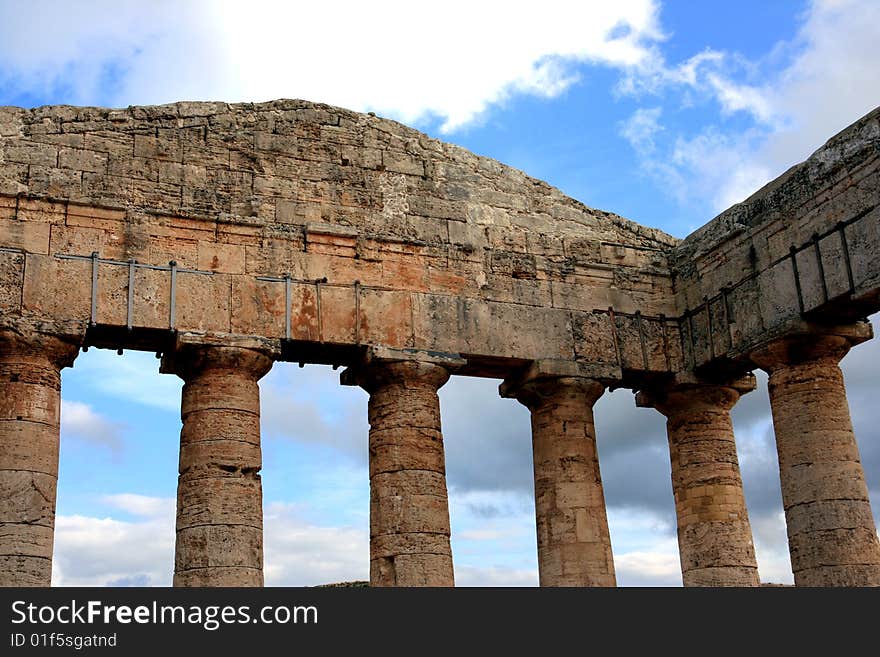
point(388, 237)
point(805, 246)
point(226, 237)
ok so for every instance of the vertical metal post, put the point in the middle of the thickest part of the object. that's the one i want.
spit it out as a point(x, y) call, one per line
point(725, 298)
point(692, 337)
point(614, 337)
point(287, 302)
point(663, 329)
point(129, 321)
point(93, 318)
point(642, 339)
point(846, 259)
point(708, 304)
point(684, 348)
point(357, 312)
point(318, 309)
point(173, 299)
point(821, 267)
point(797, 279)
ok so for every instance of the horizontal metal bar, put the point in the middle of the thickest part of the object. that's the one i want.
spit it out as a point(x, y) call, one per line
point(67, 256)
point(323, 282)
point(632, 246)
point(135, 264)
point(305, 281)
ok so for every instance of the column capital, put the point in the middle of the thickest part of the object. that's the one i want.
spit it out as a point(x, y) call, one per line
point(819, 343)
point(58, 351)
point(533, 393)
point(686, 393)
point(187, 361)
point(377, 374)
point(543, 380)
point(381, 366)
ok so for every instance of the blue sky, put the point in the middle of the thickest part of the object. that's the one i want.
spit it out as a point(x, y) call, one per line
point(664, 112)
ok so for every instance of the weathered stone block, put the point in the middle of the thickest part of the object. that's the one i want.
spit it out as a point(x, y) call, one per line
point(57, 288)
point(226, 258)
point(30, 237)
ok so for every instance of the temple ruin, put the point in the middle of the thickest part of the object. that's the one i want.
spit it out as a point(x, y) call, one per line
point(226, 237)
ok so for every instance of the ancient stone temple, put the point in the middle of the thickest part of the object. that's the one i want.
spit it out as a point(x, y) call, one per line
point(227, 237)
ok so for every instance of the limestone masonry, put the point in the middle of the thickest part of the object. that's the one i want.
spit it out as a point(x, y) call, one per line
point(226, 237)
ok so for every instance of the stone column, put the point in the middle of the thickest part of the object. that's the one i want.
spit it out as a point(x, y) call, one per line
point(832, 538)
point(30, 402)
point(409, 510)
point(574, 544)
point(219, 492)
point(714, 534)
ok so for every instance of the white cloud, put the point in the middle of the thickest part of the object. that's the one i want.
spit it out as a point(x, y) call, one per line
point(142, 505)
point(91, 551)
point(409, 60)
point(133, 377)
point(308, 405)
point(645, 548)
point(716, 168)
point(641, 128)
point(299, 553)
point(654, 568)
point(79, 420)
point(494, 576)
point(740, 97)
point(711, 166)
point(828, 80)
point(107, 551)
point(832, 81)
point(771, 548)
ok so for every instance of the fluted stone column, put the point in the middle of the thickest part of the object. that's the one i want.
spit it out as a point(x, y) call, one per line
point(574, 544)
point(832, 538)
point(409, 509)
point(714, 533)
point(30, 403)
point(219, 492)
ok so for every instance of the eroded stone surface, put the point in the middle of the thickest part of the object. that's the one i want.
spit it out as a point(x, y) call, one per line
point(806, 242)
point(418, 244)
point(409, 509)
point(30, 403)
point(714, 534)
point(832, 538)
point(316, 234)
point(219, 492)
point(574, 545)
